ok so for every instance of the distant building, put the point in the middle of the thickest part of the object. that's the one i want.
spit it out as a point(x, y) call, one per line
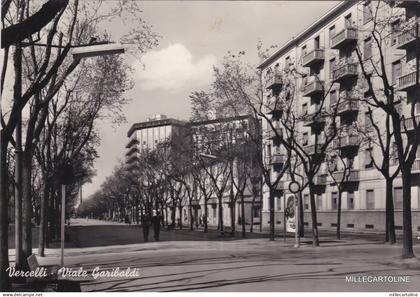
point(145, 136)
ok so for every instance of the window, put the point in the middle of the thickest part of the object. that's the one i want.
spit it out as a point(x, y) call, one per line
point(304, 50)
point(317, 43)
point(332, 32)
point(350, 200)
point(305, 138)
point(367, 48)
point(398, 198)
point(279, 203)
point(318, 202)
point(368, 122)
point(333, 97)
point(287, 63)
point(348, 23)
point(396, 71)
point(256, 211)
point(306, 201)
point(367, 12)
point(334, 200)
point(395, 30)
point(214, 211)
point(332, 63)
point(304, 108)
point(368, 158)
point(370, 199)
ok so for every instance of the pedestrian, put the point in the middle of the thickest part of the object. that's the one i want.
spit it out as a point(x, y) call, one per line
point(145, 224)
point(156, 220)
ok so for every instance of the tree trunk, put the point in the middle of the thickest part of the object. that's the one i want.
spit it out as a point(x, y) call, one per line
point(340, 194)
point(26, 207)
point(191, 216)
point(206, 215)
point(389, 213)
point(407, 224)
point(272, 215)
point(4, 216)
point(43, 222)
point(180, 217)
point(243, 214)
point(232, 218)
point(301, 217)
point(220, 199)
point(315, 239)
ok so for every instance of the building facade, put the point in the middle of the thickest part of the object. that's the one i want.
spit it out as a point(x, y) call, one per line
point(324, 63)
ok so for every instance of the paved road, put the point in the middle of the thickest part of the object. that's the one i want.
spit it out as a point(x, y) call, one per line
point(191, 261)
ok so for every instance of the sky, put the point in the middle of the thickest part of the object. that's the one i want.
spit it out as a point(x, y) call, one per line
point(195, 36)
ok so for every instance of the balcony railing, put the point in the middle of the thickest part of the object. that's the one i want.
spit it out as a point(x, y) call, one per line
point(352, 176)
point(320, 179)
point(316, 117)
point(343, 38)
point(275, 81)
point(271, 134)
point(278, 158)
point(274, 105)
point(347, 141)
point(407, 82)
point(408, 123)
point(313, 150)
point(407, 39)
point(131, 159)
point(348, 104)
point(345, 70)
point(314, 87)
point(132, 150)
point(313, 57)
point(407, 4)
point(131, 142)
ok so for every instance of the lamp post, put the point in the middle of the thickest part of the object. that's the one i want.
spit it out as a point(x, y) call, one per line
point(78, 53)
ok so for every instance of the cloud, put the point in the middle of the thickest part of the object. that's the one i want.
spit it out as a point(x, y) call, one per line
point(174, 68)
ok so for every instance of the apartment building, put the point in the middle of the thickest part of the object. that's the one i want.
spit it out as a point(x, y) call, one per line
point(322, 62)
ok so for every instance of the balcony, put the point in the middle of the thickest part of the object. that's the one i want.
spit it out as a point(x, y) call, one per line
point(131, 142)
point(132, 159)
point(407, 39)
point(313, 150)
point(274, 106)
point(344, 38)
point(315, 87)
point(351, 177)
point(278, 158)
point(274, 81)
point(408, 123)
point(316, 118)
point(271, 134)
point(407, 82)
point(281, 185)
point(348, 140)
point(132, 150)
point(344, 70)
point(313, 57)
point(320, 179)
point(348, 104)
point(407, 4)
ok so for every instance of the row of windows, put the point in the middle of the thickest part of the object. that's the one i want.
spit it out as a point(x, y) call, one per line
point(370, 200)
